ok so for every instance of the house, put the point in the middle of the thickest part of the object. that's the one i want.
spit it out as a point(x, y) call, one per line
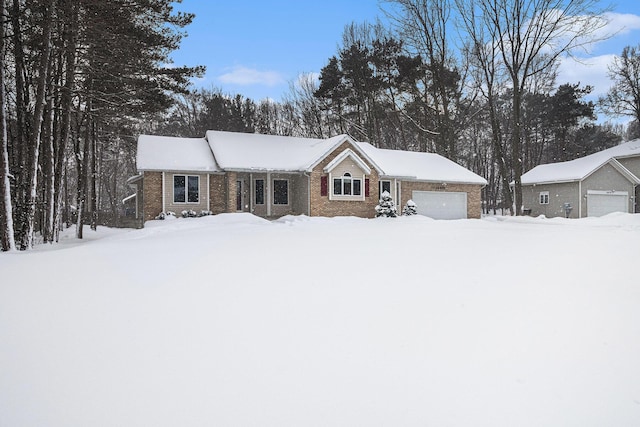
point(272, 176)
point(594, 185)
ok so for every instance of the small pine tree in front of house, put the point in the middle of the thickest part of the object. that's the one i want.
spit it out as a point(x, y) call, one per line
point(410, 208)
point(386, 206)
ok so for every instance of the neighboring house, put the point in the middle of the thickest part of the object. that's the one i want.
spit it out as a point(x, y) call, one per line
point(594, 185)
point(272, 176)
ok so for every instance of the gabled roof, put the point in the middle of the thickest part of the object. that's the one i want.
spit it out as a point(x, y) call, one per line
point(243, 152)
point(236, 151)
point(579, 169)
point(348, 153)
point(164, 153)
point(420, 166)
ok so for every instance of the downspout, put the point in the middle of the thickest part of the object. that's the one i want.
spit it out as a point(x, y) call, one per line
point(208, 192)
point(163, 193)
point(251, 192)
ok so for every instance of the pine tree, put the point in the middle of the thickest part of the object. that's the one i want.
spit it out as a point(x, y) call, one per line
point(410, 208)
point(386, 206)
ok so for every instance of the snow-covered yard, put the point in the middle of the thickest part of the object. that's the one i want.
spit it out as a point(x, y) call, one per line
point(232, 320)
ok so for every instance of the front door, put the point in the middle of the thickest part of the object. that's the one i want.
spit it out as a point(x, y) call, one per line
point(239, 195)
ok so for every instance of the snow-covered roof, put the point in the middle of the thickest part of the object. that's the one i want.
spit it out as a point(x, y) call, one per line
point(420, 166)
point(236, 151)
point(348, 153)
point(161, 153)
point(579, 169)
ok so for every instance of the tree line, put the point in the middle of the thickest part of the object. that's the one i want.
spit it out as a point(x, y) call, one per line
point(78, 79)
point(472, 80)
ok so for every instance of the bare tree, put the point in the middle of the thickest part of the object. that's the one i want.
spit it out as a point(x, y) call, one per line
point(531, 36)
point(311, 120)
point(424, 25)
point(623, 98)
point(490, 78)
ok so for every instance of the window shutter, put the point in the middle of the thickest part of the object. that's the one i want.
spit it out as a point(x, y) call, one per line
point(324, 185)
point(366, 187)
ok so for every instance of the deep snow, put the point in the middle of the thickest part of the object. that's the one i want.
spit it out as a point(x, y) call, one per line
point(232, 320)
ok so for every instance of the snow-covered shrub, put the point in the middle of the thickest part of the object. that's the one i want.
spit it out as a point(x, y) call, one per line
point(410, 208)
point(189, 213)
point(386, 206)
point(166, 215)
point(205, 213)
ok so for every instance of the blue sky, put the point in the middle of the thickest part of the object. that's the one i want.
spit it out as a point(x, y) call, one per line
point(257, 47)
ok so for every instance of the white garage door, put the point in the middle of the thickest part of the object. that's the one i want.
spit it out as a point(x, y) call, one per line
point(441, 205)
point(605, 202)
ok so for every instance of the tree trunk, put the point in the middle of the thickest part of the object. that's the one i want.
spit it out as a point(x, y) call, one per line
point(66, 101)
point(94, 175)
point(516, 147)
point(49, 172)
point(36, 130)
point(21, 131)
point(7, 242)
point(82, 160)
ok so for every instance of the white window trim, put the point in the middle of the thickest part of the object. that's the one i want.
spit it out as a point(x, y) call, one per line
point(348, 197)
point(273, 185)
point(186, 189)
point(543, 198)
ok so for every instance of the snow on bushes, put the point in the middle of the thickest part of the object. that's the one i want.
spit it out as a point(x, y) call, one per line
point(410, 208)
point(166, 215)
point(386, 206)
point(187, 213)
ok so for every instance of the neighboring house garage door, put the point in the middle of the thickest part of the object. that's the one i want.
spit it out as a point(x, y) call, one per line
point(441, 205)
point(605, 202)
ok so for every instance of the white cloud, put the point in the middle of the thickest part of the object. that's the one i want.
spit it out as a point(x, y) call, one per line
point(244, 76)
point(588, 71)
point(621, 23)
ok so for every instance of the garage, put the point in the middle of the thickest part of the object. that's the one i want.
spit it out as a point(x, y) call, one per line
point(600, 203)
point(441, 204)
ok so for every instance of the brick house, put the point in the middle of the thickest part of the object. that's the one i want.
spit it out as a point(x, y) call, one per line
point(272, 176)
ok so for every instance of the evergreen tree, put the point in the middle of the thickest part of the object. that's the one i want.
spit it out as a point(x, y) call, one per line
point(386, 206)
point(410, 208)
point(77, 75)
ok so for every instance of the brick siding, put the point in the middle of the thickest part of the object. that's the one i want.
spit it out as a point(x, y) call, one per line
point(152, 195)
point(217, 193)
point(322, 206)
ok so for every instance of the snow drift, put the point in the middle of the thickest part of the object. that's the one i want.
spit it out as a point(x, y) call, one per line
point(232, 320)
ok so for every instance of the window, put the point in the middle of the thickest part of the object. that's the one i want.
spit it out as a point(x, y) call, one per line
point(544, 197)
point(385, 186)
point(186, 189)
point(280, 192)
point(347, 186)
point(259, 196)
